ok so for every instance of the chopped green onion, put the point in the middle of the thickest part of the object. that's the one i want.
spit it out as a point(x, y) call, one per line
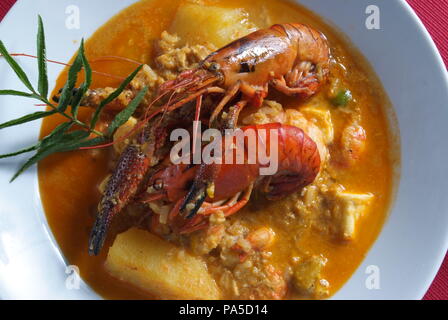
point(342, 98)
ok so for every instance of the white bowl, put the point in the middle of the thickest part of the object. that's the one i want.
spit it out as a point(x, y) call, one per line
point(414, 239)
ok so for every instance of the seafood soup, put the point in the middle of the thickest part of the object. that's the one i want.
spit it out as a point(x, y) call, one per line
point(141, 227)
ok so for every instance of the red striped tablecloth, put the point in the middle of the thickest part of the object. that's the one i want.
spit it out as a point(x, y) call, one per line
point(434, 14)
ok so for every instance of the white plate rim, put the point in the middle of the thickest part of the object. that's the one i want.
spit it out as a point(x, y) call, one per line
point(409, 11)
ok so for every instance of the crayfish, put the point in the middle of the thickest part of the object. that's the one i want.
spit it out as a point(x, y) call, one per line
point(290, 58)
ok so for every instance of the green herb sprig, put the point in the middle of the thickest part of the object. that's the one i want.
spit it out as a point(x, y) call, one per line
point(64, 137)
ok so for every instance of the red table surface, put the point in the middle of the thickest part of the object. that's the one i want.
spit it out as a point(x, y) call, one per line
point(434, 14)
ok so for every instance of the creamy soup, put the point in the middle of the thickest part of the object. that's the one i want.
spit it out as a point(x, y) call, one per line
point(318, 236)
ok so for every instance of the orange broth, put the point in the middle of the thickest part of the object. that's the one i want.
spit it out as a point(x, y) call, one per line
point(69, 181)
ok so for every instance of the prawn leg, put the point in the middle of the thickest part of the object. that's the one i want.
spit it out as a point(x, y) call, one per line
point(198, 222)
point(281, 86)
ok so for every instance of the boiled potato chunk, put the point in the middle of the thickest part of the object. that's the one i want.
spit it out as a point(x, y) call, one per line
point(158, 267)
point(198, 24)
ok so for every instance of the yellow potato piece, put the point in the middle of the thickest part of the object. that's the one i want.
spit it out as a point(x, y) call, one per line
point(160, 268)
point(198, 24)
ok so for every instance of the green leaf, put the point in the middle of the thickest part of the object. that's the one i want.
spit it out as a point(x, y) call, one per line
point(86, 65)
point(76, 101)
point(17, 93)
point(34, 159)
point(56, 134)
point(27, 118)
point(66, 142)
point(41, 60)
point(61, 139)
point(93, 142)
point(50, 139)
point(67, 92)
point(88, 143)
point(124, 115)
point(15, 66)
point(113, 96)
point(29, 149)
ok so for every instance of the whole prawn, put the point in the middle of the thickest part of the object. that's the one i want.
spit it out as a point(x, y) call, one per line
point(298, 164)
point(292, 58)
